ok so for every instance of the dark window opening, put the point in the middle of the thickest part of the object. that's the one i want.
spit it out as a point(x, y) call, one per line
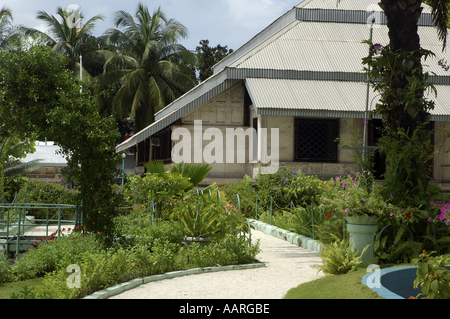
point(315, 140)
point(162, 146)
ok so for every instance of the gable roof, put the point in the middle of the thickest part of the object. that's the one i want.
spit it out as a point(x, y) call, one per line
point(307, 63)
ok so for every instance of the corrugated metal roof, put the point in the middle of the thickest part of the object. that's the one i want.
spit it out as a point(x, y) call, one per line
point(360, 5)
point(326, 98)
point(350, 12)
point(332, 47)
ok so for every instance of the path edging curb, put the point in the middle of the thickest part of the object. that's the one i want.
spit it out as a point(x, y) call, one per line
point(117, 289)
point(286, 235)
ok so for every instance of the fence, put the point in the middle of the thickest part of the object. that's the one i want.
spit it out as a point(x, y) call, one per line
point(14, 221)
point(269, 207)
point(139, 213)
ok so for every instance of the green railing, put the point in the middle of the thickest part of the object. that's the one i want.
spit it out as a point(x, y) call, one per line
point(142, 215)
point(269, 207)
point(14, 219)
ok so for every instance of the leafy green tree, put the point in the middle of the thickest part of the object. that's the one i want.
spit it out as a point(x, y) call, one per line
point(64, 37)
point(208, 57)
point(143, 64)
point(39, 96)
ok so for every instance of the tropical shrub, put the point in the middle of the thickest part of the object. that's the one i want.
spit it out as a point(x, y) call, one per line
point(338, 257)
point(154, 252)
point(202, 215)
point(247, 195)
point(433, 276)
point(163, 186)
point(273, 186)
point(350, 196)
point(47, 256)
point(6, 274)
point(47, 192)
point(305, 190)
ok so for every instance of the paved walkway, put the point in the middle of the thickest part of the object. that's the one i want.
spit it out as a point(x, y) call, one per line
point(287, 266)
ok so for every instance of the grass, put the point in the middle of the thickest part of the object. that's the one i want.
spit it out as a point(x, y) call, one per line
point(7, 289)
point(346, 286)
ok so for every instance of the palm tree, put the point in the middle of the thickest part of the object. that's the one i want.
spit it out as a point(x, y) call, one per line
point(145, 64)
point(9, 34)
point(63, 37)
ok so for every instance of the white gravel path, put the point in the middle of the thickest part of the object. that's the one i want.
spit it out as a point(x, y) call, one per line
point(287, 266)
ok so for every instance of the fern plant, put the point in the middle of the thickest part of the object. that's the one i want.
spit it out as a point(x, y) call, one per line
point(338, 257)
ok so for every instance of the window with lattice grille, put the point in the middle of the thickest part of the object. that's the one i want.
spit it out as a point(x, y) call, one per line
point(315, 140)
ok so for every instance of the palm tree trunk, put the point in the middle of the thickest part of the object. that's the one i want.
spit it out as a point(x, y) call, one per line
point(402, 17)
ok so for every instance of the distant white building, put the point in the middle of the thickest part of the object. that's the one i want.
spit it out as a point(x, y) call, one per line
point(51, 162)
point(304, 75)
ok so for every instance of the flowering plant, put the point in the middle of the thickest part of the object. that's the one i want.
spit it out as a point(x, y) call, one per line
point(444, 209)
point(433, 276)
point(349, 197)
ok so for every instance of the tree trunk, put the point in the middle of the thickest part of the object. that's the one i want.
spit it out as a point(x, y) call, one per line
point(402, 17)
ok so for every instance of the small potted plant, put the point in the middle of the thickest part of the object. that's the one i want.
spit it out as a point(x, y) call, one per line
point(362, 205)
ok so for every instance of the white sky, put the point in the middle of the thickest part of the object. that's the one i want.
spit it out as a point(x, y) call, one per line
point(224, 22)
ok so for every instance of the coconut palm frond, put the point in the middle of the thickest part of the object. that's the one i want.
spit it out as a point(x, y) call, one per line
point(17, 167)
point(439, 11)
point(155, 167)
point(146, 42)
point(195, 172)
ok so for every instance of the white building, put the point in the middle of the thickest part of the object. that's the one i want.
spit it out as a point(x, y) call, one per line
point(303, 74)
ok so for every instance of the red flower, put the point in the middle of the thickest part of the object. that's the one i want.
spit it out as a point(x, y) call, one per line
point(100, 242)
point(15, 256)
point(82, 235)
point(424, 252)
point(100, 233)
point(28, 249)
point(35, 244)
point(431, 273)
point(408, 214)
point(84, 227)
point(75, 238)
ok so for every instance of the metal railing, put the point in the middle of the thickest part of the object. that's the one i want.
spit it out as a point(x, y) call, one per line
point(269, 207)
point(14, 220)
point(139, 214)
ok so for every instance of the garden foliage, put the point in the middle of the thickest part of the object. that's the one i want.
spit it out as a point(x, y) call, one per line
point(338, 257)
point(433, 276)
point(155, 250)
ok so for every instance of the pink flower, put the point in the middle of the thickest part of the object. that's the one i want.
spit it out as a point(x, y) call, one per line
point(391, 214)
